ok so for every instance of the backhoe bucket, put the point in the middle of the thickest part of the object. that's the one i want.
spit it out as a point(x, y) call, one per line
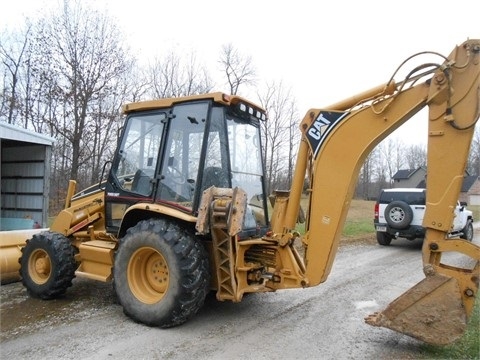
point(431, 311)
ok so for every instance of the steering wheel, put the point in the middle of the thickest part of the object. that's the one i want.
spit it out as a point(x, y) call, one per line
point(175, 175)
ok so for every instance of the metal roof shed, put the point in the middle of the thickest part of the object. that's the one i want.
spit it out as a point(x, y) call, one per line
point(24, 173)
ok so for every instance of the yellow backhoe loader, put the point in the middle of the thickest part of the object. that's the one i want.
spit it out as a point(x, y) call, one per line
point(183, 210)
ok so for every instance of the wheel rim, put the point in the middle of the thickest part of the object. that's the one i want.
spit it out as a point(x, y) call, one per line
point(148, 275)
point(39, 266)
point(397, 214)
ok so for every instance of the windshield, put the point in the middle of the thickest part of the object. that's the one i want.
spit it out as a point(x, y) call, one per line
point(247, 168)
point(232, 158)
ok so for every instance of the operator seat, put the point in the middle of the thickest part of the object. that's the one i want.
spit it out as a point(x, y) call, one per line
point(142, 182)
point(215, 176)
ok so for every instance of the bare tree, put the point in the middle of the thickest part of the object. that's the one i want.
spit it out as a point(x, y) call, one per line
point(473, 165)
point(294, 137)
point(365, 178)
point(280, 135)
point(80, 56)
point(279, 140)
point(415, 156)
point(12, 54)
point(171, 77)
point(391, 158)
point(238, 69)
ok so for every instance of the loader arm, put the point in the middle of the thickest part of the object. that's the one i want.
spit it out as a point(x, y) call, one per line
point(84, 212)
point(335, 143)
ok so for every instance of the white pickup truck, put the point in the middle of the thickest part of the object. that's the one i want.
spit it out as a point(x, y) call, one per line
point(399, 213)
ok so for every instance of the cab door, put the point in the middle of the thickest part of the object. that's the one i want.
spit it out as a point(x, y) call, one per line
point(183, 154)
point(133, 175)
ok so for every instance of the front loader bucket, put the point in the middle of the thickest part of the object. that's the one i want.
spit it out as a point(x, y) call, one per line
point(431, 311)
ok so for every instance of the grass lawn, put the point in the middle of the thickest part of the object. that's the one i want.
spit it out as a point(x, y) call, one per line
point(359, 222)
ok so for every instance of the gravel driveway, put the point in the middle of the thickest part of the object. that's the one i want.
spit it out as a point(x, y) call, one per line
point(323, 322)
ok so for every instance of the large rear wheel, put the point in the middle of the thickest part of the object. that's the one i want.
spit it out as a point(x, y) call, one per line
point(161, 273)
point(47, 265)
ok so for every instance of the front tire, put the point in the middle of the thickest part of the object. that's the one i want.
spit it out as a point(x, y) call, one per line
point(468, 231)
point(47, 265)
point(161, 273)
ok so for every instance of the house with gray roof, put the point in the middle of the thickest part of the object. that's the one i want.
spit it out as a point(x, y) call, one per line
point(416, 178)
point(410, 178)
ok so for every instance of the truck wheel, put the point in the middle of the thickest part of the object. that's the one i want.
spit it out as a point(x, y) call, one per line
point(384, 238)
point(398, 214)
point(47, 265)
point(468, 231)
point(161, 273)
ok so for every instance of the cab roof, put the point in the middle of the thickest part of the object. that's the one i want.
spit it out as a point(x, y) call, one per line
point(217, 97)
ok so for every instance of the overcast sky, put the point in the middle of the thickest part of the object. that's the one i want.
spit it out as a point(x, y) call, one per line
point(324, 51)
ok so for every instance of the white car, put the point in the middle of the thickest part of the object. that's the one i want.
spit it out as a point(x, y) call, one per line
point(399, 213)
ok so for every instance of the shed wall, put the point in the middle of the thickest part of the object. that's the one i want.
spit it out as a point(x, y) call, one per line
point(24, 175)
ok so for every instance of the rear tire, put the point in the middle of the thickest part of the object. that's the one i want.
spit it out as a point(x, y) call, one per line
point(161, 273)
point(468, 231)
point(47, 265)
point(384, 238)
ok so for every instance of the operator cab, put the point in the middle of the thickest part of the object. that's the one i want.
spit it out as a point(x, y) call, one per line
point(171, 150)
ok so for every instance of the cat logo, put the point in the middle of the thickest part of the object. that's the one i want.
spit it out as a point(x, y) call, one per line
point(322, 127)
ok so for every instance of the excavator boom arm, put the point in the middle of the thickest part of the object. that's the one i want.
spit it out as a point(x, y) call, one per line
point(335, 143)
point(340, 141)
